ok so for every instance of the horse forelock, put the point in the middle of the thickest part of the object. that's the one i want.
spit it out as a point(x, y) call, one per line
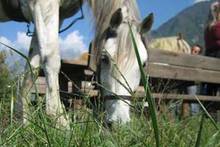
point(125, 56)
point(102, 11)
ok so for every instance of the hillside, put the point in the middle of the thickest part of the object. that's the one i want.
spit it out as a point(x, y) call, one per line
point(190, 22)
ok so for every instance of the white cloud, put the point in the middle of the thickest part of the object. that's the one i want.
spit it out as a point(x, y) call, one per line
point(197, 1)
point(5, 40)
point(21, 43)
point(71, 46)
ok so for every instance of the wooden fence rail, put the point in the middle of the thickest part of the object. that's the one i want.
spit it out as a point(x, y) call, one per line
point(169, 65)
point(161, 64)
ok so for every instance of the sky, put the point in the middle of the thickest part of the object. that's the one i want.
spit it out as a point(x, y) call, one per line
point(76, 40)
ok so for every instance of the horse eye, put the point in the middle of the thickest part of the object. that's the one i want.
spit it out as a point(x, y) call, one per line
point(105, 58)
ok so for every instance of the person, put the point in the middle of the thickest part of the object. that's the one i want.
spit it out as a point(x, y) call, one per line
point(212, 41)
point(212, 46)
point(195, 87)
point(196, 49)
point(212, 32)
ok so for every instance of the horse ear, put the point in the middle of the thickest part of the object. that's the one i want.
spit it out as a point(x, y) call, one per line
point(147, 23)
point(116, 19)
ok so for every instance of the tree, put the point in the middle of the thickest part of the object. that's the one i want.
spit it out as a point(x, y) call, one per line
point(4, 72)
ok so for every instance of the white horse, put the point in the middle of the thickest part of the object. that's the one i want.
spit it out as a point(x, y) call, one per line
point(112, 43)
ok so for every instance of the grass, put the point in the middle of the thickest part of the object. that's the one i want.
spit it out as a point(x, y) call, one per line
point(88, 131)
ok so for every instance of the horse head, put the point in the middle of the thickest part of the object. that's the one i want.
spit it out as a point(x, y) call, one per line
point(119, 70)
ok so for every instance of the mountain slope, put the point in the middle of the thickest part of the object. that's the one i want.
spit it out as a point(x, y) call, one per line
point(190, 22)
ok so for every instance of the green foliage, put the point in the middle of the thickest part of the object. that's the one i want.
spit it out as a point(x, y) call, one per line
point(4, 72)
point(4, 90)
point(88, 131)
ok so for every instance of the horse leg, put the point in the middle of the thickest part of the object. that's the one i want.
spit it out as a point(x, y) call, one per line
point(46, 18)
point(23, 101)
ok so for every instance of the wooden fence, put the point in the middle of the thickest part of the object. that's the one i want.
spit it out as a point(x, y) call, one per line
point(161, 64)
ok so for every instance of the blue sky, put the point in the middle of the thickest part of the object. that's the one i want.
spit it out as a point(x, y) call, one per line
point(163, 10)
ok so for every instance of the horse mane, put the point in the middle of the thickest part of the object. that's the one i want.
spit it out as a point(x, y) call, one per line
point(102, 12)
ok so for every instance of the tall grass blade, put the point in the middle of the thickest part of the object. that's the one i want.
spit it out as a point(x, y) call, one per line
point(12, 106)
point(207, 113)
point(198, 139)
point(14, 133)
point(147, 91)
point(44, 128)
point(214, 140)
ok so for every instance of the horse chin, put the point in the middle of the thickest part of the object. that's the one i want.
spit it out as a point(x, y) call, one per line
point(117, 111)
